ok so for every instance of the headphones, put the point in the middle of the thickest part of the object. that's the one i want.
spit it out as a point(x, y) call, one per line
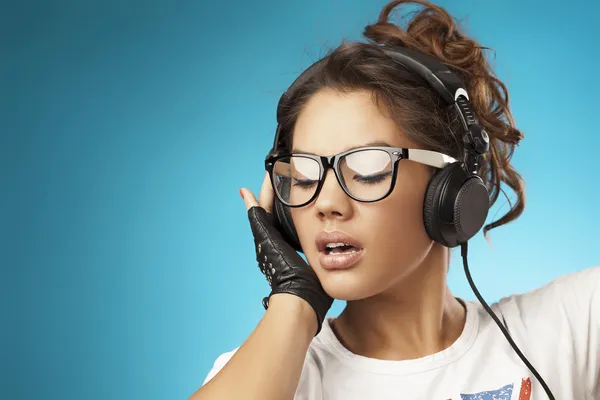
point(456, 201)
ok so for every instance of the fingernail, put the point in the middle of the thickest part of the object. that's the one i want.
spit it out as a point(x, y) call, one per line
point(241, 194)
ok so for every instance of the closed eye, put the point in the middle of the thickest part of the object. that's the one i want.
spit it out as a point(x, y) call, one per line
point(304, 183)
point(371, 179)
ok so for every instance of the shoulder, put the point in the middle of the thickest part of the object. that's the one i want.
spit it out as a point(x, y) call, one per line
point(563, 316)
point(309, 385)
point(569, 301)
point(575, 291)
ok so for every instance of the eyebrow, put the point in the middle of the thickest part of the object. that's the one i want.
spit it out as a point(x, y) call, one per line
point(373, 143)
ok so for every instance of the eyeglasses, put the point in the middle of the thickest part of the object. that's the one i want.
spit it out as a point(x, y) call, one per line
point(366, 174)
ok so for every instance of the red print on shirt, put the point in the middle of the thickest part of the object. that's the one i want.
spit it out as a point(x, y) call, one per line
point(525, 389)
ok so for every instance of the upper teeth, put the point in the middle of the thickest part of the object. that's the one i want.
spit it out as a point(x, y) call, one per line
point(332, 245)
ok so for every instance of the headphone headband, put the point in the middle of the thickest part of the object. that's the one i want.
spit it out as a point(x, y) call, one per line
point(439, 77)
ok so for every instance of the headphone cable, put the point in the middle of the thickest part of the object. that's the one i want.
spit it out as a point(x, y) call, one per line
point(463, 252)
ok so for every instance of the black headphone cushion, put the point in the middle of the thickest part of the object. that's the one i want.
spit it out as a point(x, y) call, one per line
point(431, 203)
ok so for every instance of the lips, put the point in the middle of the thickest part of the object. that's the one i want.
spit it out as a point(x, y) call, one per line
point(336, 261)
point(323, 238)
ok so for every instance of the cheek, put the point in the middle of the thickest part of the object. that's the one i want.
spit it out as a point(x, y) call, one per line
point(399, 223)
point(401, 218)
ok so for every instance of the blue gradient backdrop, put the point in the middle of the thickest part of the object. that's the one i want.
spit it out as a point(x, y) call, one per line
point(128, 127)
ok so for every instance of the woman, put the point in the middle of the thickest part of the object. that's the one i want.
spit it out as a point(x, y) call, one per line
point(402, 334)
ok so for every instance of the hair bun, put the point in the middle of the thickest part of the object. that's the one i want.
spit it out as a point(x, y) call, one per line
point(431, 30)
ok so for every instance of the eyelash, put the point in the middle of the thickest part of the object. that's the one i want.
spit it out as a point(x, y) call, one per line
point(303, 184)
point(373, 179)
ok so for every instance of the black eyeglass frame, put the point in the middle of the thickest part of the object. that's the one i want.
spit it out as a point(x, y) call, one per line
point(427, 157)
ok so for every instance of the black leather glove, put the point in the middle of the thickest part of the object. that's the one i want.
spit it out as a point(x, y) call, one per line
point(283, 267)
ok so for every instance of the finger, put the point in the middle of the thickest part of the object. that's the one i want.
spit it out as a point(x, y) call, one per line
point(248, 197)
point(266, 196)
point(263, 229)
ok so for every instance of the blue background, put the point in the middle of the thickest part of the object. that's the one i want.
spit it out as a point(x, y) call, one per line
point(127, 129)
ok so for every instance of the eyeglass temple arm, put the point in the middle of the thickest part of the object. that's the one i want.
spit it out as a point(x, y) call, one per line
point(431, 158)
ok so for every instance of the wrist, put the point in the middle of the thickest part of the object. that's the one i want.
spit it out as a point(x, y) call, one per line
point(296, 307)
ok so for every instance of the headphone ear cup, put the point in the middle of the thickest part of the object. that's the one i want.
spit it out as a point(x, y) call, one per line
point(456, 206)
point(283, 218)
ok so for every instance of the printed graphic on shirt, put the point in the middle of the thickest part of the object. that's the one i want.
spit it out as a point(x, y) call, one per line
point(504, 393)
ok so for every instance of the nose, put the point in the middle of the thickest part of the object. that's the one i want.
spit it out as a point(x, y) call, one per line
point(332, 202)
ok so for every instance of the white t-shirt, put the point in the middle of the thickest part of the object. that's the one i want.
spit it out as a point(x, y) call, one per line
point(557, 327)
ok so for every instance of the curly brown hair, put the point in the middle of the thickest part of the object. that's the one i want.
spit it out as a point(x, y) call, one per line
point(413, 104)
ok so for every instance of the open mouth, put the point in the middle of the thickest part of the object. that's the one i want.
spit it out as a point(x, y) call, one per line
point(340, 248)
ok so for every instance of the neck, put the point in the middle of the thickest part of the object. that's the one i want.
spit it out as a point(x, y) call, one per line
point(416, 317)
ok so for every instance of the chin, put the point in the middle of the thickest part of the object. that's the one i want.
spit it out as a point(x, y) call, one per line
point(346, 285)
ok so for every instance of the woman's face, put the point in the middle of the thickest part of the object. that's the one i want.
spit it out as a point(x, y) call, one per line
point(390, 231)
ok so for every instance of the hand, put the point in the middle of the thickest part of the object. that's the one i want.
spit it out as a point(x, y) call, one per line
point(283, 267)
